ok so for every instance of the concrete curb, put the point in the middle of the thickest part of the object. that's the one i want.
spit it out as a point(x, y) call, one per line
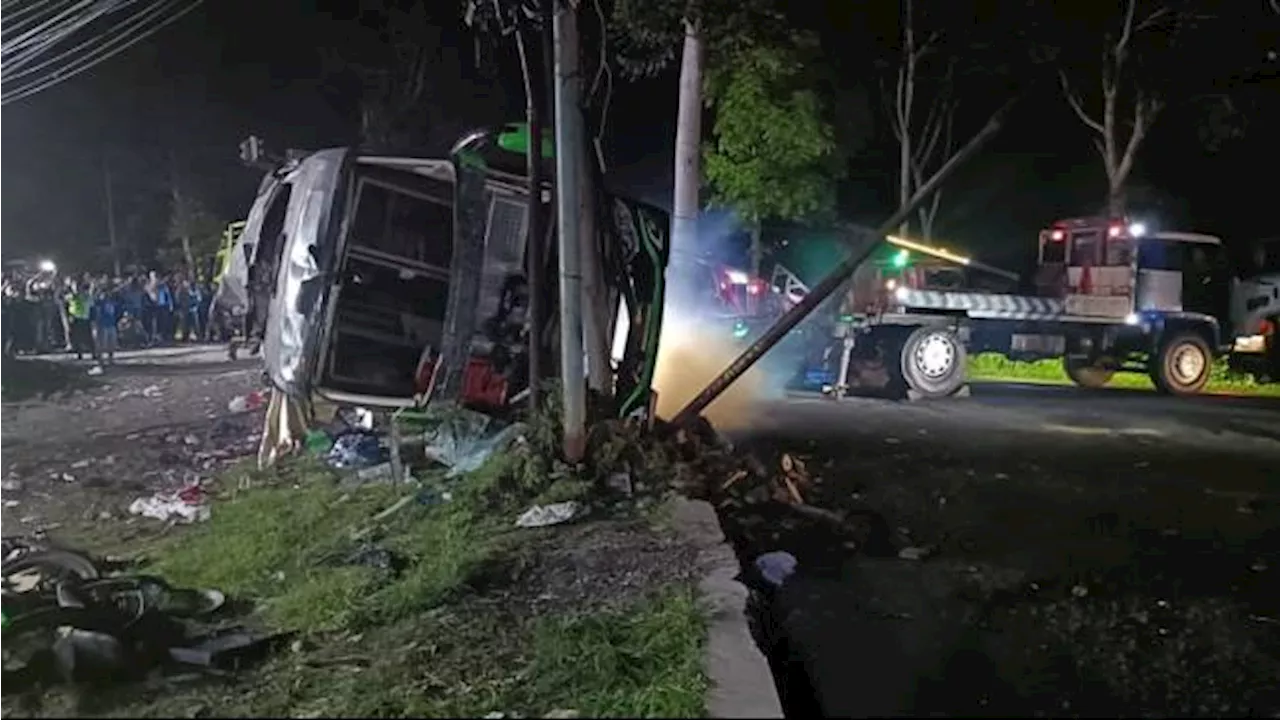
point(741, 683)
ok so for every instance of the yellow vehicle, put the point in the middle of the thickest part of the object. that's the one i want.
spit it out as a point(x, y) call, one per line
point(222, 259)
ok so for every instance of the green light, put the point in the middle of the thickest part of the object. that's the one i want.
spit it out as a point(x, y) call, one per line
point(901, 258)
point(740, 329)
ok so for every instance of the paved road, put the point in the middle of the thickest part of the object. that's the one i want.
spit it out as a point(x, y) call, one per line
point(1216, 421)
point(1027, 493)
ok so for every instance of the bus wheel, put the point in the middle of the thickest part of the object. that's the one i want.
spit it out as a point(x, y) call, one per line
point(933, 361)
point(1182, 365)
point(1087, 375)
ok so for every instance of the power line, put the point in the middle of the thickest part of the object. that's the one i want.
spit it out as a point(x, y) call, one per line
point(55, 36)
point(139, 18)
point(101, 55)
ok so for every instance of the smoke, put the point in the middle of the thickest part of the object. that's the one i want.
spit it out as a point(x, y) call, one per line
point(696, 346)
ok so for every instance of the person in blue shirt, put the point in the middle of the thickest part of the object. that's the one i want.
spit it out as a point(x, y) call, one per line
point(134, 301)
point(105, 315)
point(164, 313)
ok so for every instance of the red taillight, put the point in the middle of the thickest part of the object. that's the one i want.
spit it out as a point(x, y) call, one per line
point(1057, 236)
point(1115, 231)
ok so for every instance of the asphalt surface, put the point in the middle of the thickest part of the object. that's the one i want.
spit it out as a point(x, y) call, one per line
point(1027, 501)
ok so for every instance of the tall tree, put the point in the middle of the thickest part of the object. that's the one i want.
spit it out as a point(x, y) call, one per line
point(649, 35)
point(1131, 95)
point(774, 153)
point(416, 92)
point(921, 109)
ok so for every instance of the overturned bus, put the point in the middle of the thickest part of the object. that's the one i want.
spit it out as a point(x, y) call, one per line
point(396, 278)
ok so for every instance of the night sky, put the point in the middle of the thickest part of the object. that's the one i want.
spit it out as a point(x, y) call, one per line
point(233, 67)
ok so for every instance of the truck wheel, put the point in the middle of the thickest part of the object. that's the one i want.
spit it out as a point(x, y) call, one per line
point(1182, 365)
point(1087, 375)
point(933, 361)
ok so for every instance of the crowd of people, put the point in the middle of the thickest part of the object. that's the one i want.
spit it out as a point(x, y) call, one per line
point(97, 315)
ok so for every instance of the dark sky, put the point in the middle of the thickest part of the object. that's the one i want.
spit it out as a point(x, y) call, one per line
point(234, 67)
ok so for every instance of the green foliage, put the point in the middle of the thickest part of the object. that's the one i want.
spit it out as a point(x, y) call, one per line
point(774, 153)
point(997, 368)
point(647, 35)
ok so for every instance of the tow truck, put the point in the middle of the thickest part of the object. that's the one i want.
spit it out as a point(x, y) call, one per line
point(1107, 296)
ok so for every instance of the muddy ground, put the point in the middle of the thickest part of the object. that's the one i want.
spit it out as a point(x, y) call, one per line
point(1070, 555)
point(157, 421)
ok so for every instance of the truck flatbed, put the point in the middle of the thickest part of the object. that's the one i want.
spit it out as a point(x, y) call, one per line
point(994, 306)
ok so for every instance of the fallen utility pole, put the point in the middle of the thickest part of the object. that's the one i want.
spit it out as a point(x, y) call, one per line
point(569, 141)
point(536, 232)
point(860, 248)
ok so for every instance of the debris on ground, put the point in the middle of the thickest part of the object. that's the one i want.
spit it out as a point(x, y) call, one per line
point(546, 515)
point(775, 567)
point(190, 504)
point(357, 449)
point(67, 620)
point(915, 553)
point(462, 440)
point(245, 403)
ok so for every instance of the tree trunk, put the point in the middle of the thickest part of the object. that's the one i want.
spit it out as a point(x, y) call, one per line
point(904, 174)
point(1117, 200)
point(688, 167)
point(187, 255)
point(757, 251)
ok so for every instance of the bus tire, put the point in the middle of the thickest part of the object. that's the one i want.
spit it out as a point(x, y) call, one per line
point(934, 361)
point(1182, 365)
point(1087, 375)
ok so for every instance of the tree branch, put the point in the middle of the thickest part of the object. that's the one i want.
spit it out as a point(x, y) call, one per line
point(1074, 101)
point(1145, 110)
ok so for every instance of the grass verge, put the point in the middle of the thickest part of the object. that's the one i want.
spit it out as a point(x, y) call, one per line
point(30, 378)
point(420, 611)
point(994, 367)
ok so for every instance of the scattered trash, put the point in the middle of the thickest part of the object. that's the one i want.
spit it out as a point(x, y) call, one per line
point(245, 403)
point(95, 371)
point(562, 714)
point(187, 505)
point(317, 442)
point(620, 482)
point(67, 477)
point(915, 553)
point(81, 464)
point(372, 556)
point(1079, 591)
point(546, 515)
point(76, 623)
point(382, 472)
point(11, 485)
point(190, 440)
point(432, 496)
point(11, 503)
point(463, 439)
point(151, 391)
point(356, 449)
point(775, 567)
point(360, 418)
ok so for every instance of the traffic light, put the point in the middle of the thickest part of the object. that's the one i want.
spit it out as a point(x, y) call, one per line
point(901, 259)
